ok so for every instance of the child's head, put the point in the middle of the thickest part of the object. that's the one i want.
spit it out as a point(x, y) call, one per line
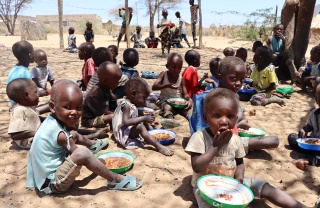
point(40, 57)
point(101, 55)
point(256, 44)
point(71, 30)
point(131, 57)
point(174, 64)
point(263, 56)
point(23, 51)
point(85, 50)
point(178, 14)
point(138, 28)
point(165, 13)
point(242, 53)
point(109, 75)
point(191, 2)
point(315, 54)
point(23, 91)
point(89, 25)
point(228, 51)
point(192, 57)
point(221, 108)
point(151, 34)
point(278, 30)
point(66, 102)
point(214, 66)
point(137, 90)
point(114, 51)
point(232, 73)
point(130, 9)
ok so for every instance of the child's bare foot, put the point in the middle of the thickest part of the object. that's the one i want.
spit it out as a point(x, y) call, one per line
point(165, 150)
point(301, 164)
point(102, 133)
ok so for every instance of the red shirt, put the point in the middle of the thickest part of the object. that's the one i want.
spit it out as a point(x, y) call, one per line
point(87, 71)
point(190, 76)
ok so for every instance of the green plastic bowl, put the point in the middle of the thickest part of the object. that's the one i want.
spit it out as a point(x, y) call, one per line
point(118, 154)
point(204, 84)
point(285, 90)
point(211, 186)
point(181, 106)
point(256, 133)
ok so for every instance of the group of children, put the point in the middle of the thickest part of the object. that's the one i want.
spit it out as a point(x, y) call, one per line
point(114, 92)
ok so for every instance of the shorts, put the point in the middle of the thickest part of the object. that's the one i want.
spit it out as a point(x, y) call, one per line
point(245, 142)
point(183, 112)
point(255, 184)
point(65, 176)
point(184, 36)
point(122, 30)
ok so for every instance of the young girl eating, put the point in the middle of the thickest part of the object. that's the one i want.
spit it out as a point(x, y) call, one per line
point(127, 126)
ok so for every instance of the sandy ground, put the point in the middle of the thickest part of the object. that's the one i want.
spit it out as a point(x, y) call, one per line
point(166, 179)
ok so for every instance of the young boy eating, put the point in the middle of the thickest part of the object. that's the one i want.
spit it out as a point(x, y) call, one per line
point(49, 169)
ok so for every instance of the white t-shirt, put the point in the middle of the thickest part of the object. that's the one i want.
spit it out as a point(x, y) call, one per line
point(163, 22)
point(43, 74)
point(182, 25)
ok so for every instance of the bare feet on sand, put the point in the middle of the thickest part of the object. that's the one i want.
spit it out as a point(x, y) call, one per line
point(301, 164)
point(165, 150)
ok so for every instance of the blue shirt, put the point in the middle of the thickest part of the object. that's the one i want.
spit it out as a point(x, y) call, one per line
point(18, 72)
point(129, 71)
point(210, 85)
point(276, 44)
point(45, 155)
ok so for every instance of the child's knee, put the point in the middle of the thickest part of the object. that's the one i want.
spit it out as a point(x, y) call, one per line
point(80, 154)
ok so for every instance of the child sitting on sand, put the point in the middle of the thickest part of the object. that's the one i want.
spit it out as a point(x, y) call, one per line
point(228, 51)
point(23, 51)
point(96, 104)
point(137, 38)
point(255, 45)
point(54, 159)
point(88, 69)
point(216, 150)
point(213, 81)
point(41, 74)
point(264, 78)
point(171, 85)
point(127, 126)
point(72, 45)
point(152, 41)
point(131, 59)
point(114, 52)
point(176, 39)
point(242, 53)
point(190, 74)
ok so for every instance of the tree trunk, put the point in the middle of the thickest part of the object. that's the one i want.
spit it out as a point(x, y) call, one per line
point(60, 9)
point(151, 21)
point(200, 24)
point(296, 17)
point(127, 23)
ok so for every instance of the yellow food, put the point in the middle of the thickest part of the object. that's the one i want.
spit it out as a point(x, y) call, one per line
point(312, 141)
point(161, 136)
point(178, 102)
point(117, 162)
point(246, 131)
point(146, 112)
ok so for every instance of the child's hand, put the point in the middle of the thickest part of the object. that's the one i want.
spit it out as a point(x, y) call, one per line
point(221, 139)
point(240, 179)
point(158, 25)
point(190, 104)
point(302, 134)
point(173, 86)
point(209, 80)
point(149, 119)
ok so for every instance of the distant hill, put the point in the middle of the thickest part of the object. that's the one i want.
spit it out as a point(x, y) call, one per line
point(316, 10)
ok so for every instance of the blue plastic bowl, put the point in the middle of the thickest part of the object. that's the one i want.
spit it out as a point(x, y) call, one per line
point(303, 145)
point(248, 91)
point(164, 142)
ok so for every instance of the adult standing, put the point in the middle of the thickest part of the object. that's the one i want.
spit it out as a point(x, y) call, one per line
point(123, 26)
point(182, 28)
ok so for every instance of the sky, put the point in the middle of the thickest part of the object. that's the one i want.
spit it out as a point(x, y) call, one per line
point(209, 9)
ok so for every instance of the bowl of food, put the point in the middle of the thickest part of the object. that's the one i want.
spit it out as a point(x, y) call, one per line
point(224, 191)
point(163, 136)
point(285, 90)
point(249, 90)
point(252, 132)
point(309, 143)
point(177, 102)
point(117, 162)
point(145, 111)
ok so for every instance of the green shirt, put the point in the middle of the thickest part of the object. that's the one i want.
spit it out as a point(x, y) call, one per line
point(124, 20)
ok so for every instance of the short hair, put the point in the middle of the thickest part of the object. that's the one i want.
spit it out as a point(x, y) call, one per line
point(114, 48)
point(258, 43)
point(177, 13)
point(55, 90)
point(138, 26)
point(228, 62)
point(315, 50)
point(164, 11)
point(137, 84)
point(21, 49)
point(266, 54)
point(130, 55)
point(17, 87)
point(190, 56)
point(277, 25)
point(88, 47)
point(241, 50)
point(101, 55)
point(172, 55)
point(228, 48)
point(89, 23)
point(71, 30)
point(37, 52)
point(213, 61)
point(221, 93)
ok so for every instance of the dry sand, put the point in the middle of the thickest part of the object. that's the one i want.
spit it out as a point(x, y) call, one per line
point(166, 179)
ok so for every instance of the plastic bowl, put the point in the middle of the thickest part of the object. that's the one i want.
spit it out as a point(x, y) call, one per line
point(247, 91)
point(248, 81)
point(204, 84)
point(285, 90)
point(211, 186)
point(164, 142)
point(118, 154)
point(256, 133)
point(303, 145)
point(181, 106)
point(143, 111)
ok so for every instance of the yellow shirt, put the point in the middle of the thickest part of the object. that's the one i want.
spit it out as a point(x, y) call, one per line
point(263, 79)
